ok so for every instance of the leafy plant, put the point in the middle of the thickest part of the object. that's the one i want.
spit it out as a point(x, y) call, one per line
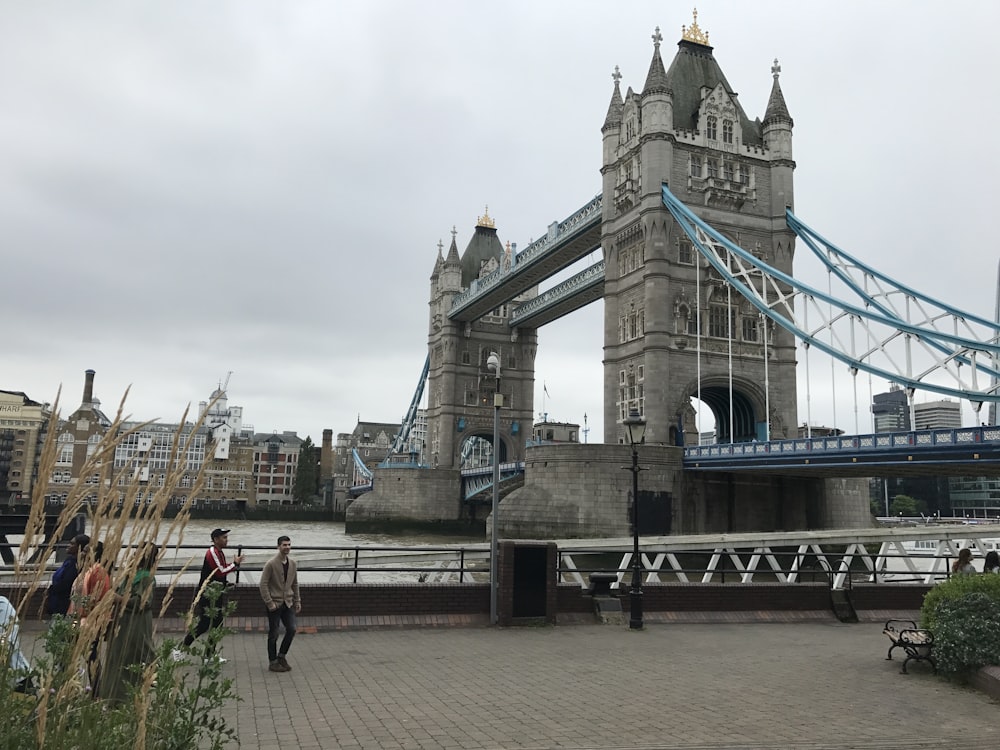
point(967, 635)
point(957, 587)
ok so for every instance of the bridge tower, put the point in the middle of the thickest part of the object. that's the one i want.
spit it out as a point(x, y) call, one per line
point(687, 129)
point(459, 383)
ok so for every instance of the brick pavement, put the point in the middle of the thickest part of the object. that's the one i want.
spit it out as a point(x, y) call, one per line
point(806, 685)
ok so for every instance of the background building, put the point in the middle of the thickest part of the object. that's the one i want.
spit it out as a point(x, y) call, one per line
point(275, 462)
point(890, 410)
point(23, 429)
point(935, 415)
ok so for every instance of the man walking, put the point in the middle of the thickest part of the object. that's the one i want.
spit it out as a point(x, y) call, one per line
point(279, 587)
point(214, 569)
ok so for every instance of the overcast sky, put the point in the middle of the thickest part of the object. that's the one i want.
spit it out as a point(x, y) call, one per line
point(190, 188)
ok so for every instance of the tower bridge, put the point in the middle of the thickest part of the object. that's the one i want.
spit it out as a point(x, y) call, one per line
point(696, 226)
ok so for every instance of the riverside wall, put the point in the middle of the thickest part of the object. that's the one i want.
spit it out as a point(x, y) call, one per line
point(576, 490)
point(549, 602)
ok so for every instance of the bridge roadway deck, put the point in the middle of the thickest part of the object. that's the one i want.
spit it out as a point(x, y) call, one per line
point(749, 685)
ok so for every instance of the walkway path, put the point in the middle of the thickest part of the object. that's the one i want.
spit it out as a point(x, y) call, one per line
point(748, 685)
point(806, 685)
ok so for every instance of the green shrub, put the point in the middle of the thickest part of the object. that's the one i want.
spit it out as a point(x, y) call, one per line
point(967, 634)
point(957, 587)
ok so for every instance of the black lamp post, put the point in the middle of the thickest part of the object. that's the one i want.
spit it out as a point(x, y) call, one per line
point(636, 426)
point(493, 363)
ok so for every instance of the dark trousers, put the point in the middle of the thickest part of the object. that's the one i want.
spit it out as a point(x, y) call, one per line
point(207, 621)
point(283, 615)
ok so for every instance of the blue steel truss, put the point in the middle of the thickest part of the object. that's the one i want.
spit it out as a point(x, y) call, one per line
point(871, 336)
point(411, 415)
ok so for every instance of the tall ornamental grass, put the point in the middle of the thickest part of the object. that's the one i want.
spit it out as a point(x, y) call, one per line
point(170, 705)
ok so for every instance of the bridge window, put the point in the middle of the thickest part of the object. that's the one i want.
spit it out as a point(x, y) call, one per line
point(713, 168)
point(630, 391)
point(685, 252)
point(711, 127)
point(630, 129)
point(466, 358)
point(695, 165)
point(718, 322)
point(727, 170)
point(727, 131)
point(744, 174)
point(750, 329)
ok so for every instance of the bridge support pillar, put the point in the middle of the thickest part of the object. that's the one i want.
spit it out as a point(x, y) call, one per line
point(408, 499)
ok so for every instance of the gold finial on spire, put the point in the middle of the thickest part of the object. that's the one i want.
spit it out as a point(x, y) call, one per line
point(485, 220)
point(693, 33)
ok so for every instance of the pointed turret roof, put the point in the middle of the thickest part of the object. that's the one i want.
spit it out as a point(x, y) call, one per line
point(693, 69)
point(453, 259)
point(439, 262)
point(484, 245)
point(777, 111)
point(617, 106)
point(656, 78)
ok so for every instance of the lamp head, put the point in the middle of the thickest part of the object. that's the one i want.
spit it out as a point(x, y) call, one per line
point(493, 363)
point(636, 426)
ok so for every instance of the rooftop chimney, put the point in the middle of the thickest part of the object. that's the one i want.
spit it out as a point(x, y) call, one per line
point(88, 387)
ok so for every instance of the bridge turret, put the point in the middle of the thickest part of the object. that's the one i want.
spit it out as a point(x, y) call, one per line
point(778, 141)
point(450, 275)
point(657, 96)
point(656, 119)
point(612, 134)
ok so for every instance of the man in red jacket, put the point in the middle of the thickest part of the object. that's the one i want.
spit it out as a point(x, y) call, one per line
point(214, 569)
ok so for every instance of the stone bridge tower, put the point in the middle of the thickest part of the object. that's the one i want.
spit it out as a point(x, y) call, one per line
point(687, 129)
point(459, 383)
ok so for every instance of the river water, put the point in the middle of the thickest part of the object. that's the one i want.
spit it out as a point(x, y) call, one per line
point(264, 534)
point(259, 540)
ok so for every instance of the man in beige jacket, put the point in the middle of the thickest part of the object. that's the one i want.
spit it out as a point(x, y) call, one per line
point(279, 587)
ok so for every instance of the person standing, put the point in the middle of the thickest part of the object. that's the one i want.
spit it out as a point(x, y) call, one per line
point(131, 638)
point(992, 562)
point(279, 588)
point(60, 590)
point(214, 569)
point(963, 565)
point(17, 667)
point(93, 582)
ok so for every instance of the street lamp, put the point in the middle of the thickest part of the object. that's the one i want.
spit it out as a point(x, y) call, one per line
point(493, 363)
point(636, 426)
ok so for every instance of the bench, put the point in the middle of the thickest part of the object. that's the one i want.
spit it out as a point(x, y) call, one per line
point(916, 643)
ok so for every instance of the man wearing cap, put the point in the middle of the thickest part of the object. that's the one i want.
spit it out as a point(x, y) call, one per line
point(214, 569)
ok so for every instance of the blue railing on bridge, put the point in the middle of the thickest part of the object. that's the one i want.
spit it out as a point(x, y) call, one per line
point(882, 441)
point(581, 218)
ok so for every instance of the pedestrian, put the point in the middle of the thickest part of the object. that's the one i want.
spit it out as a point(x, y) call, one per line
point(60, 590)
point(992, 562)
point(131, 641)
point(214, 569)
point(279, 587)
point(963, 565)
point(15, 666)
point(91, 585)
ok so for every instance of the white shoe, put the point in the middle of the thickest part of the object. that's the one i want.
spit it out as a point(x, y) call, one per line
point(177, 655)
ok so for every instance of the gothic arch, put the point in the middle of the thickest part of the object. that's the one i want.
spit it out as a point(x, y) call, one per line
point(748, 412)
point(471, 454)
